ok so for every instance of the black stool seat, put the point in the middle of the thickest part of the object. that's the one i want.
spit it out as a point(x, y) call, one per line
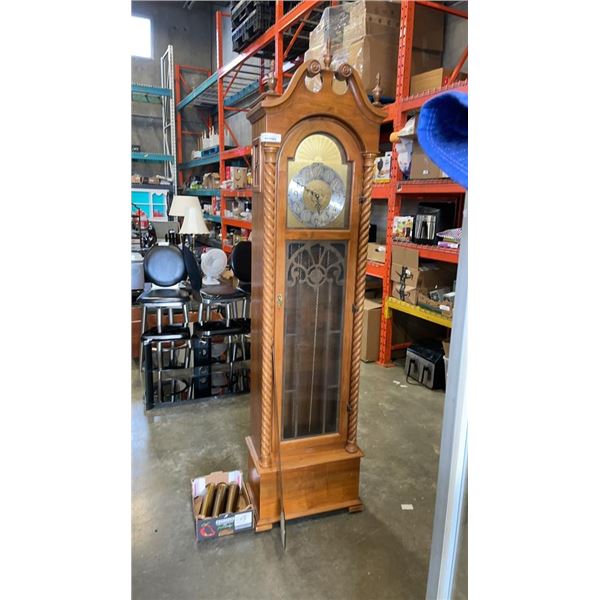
point(169, 333)
point(224, 327)
point(222, 292)
point(157, 296)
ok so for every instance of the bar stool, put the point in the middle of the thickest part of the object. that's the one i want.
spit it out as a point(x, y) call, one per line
point(226, 297)
point(168, 333)
point(202, 339)
point(164, 267)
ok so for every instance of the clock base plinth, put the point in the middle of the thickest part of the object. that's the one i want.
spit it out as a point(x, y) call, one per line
point(356, 508)
point(313, 483)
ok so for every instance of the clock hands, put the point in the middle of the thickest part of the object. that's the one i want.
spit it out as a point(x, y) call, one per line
point(317, 198)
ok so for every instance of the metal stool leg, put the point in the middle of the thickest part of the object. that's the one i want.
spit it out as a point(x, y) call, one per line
point(148, 379)
point(143, 328)
point(159, 350)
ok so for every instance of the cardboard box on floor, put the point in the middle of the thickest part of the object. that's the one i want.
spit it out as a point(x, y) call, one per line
point(432, 80)
point(422, 167)
point(376, 252)
point(369, 349)
point(226, 523)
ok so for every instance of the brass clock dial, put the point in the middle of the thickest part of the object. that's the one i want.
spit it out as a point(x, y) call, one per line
point(316, 195)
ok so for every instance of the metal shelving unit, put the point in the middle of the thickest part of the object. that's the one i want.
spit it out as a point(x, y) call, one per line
point(398, 113)
point(231, 89)
point(165, 96)
point(415, 311)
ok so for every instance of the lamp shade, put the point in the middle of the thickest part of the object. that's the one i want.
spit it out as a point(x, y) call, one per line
point(193, 221)
point(180, 203)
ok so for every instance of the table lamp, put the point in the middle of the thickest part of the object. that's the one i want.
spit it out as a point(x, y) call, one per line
point(180, 203)
point(193, 222)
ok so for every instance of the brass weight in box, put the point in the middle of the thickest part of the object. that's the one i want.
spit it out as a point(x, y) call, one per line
point(219, 503)
point(232, 496)
point(207, 501)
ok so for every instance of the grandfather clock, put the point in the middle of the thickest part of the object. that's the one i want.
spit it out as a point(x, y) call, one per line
point(313, 154)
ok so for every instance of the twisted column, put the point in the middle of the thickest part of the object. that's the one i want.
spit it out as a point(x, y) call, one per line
point(268, 199)
point(359, 297)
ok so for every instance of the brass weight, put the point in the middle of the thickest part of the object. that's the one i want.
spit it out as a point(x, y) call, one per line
point(219, 504)
point(232, 496)
point(207, 501)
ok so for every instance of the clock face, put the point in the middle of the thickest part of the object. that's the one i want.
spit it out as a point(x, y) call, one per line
point(316, 195)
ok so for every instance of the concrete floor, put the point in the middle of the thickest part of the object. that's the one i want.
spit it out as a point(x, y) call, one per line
point(382, 552)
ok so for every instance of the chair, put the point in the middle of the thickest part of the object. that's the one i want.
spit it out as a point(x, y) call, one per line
point(164, 268)
point(202, 339)
point(226, 296)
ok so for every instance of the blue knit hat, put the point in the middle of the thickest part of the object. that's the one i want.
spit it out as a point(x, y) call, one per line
point(443, 133)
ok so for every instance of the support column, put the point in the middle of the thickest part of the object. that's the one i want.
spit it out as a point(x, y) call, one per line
point(359, 297)
point(268, 199)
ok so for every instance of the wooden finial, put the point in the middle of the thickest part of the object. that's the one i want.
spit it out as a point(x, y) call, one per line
point(271, 81)
point(377, 91)
point(327, 57)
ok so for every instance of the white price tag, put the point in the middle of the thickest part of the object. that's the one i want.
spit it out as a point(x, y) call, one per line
point(243, 521)
point(270, 137)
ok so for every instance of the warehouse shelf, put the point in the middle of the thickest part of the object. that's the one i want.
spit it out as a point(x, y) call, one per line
point(416, 311)
point(397, 114)
point(376, 269)
point(429, 186)
point(381, 191)
point(244, 223)
point(200, 162)
point(151, 157)
point(203, 192)
point(212, 218)
point(242, 193)
point(416, 101)
point(150, 186)
point(144, 93)
point(231, 89)
point(449, 255)
point(237, 152)
point(163, 95)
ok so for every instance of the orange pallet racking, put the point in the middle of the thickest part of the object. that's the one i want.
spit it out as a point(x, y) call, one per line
point(400, 188)
point(230, 90)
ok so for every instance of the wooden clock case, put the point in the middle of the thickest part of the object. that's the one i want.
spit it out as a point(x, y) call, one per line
point(319, 473)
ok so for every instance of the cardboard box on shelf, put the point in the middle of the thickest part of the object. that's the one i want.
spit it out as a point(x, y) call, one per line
point(376, 252)
point(406, 293)
point(239, 177)
point(227, 523)
point(369, 349)
point(402, 229)
point(428, 29)
point(364, 35)
point(432, 80)
point(410, 275)
point(443, 308)
point(425, 60)
point(382, 168)
point(422, 167)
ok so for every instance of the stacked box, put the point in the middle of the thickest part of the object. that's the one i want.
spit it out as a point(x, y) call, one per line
point(363, 34)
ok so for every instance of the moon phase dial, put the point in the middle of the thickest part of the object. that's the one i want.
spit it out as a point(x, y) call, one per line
point(316, 195)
